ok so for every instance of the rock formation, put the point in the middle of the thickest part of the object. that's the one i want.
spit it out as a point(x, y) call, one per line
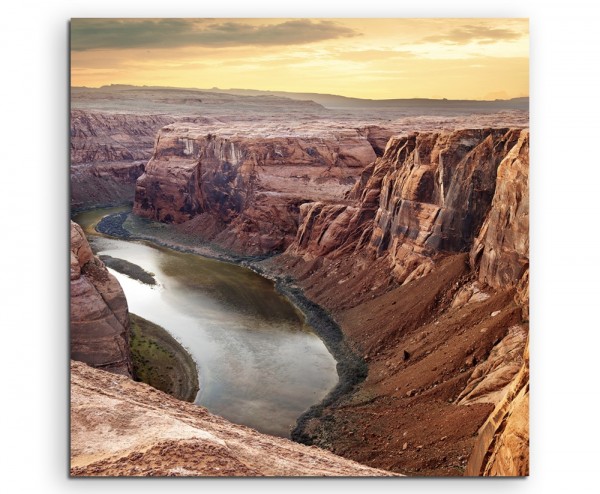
point(108, 154)
point(501, 254)
point(98, 137)
point(99, 315)
point(428, 193)
point(423, 262)
point(251, 186)
point(502, 446)
point(123, 428)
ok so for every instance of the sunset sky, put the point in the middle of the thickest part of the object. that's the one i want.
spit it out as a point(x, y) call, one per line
point(366, 58)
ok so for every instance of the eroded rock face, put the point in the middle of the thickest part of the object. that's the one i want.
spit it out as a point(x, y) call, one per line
point(252, 184)
point(502, 447)
point(501, 250)
point(104, 184)
point(420, 261)
point(123, 428)
point(99, 315)
point(108, 154)
point(98, 137)
point(429, 193)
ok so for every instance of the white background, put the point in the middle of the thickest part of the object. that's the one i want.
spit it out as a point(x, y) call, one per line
point(565, 187)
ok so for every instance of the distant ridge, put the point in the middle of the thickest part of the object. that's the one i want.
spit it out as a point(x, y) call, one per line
point(336, 101)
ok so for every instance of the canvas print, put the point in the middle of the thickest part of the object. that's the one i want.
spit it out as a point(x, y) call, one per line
point(299, 247)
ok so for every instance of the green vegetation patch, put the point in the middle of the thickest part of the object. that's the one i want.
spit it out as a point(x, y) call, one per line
point(160, 361)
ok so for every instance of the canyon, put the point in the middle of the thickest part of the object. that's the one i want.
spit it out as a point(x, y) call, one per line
point(411, 231)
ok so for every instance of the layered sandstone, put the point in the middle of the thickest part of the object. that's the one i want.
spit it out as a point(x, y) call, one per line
point(99, 315)
point(251, 180)
point(500, 255)
point(502, 446)
point(123, 428)
point(428, 193)
point(117, 125)
point(98, 137)
point(108, 154)
point(501, 251)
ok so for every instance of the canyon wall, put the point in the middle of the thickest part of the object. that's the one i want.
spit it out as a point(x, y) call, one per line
point(425, 267)
point(98, 311)
point(248, 183)
point(108, 154)
point(123, 428)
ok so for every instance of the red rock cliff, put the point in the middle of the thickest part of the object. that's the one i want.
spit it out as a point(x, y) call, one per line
point(99, 315)
point(501, 256)
point(250, 181)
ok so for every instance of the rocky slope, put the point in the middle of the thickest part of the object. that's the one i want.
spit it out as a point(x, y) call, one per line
point(425, 267)
point(99, 315)
point(123, 428)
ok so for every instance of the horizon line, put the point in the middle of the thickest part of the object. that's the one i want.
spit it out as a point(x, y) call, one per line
point(215, 88)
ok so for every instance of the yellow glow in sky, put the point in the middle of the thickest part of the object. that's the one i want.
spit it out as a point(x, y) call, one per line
point(366, 58)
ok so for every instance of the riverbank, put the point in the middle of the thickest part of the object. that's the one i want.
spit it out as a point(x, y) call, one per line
point(160, 361)
point(351, 368)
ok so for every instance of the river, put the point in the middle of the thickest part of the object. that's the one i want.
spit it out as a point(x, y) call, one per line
point(259, 363)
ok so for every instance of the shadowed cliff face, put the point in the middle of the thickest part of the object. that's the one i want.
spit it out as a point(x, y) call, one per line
point(501, 250)
point(99, 315)
point(250, 186)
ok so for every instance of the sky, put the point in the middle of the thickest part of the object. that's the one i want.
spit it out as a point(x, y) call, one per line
point(465, 58)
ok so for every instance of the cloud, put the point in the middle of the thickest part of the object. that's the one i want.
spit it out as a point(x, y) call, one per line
point(370, 55)
point(91, 34)
point(473, 34)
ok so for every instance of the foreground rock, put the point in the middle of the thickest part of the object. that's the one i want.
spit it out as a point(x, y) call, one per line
point(99, 315)
point(123, 428)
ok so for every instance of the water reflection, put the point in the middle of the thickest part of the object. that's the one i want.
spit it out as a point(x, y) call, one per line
point(259, 364)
